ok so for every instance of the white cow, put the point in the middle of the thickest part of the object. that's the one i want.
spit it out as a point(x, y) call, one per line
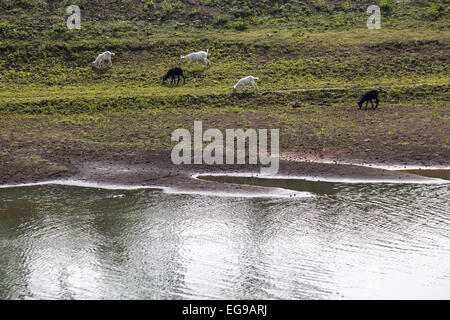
point(196, 57)
point(250, 80)
point(105, 56)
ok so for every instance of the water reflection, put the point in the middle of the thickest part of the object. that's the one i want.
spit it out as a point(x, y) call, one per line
point(351, 241)
point(318, 187)
point(435, 173)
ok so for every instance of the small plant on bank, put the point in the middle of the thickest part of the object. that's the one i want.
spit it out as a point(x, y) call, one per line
point(436, 10)
point(240, 26)
point(222, 22)
point(276, 8)
point(386, 7)
point(149, 5)
point(242, 13)
point(435, 115)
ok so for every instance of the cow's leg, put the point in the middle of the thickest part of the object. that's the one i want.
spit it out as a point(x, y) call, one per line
point(378, 102)
point(255, 87)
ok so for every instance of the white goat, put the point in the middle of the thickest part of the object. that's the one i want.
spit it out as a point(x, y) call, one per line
point(246, 81)
point(105, 56)
point(196, 57)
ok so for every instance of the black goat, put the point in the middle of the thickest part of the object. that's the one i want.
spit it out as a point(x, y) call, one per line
point(172, 73)
point(369, 96)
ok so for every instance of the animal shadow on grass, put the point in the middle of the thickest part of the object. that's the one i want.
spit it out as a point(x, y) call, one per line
point(195, 73)
point(101, 70)
point(171, 84)
point(243, 94)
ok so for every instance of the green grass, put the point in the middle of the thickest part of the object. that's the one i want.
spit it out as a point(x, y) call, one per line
point(51, 97)
point(55, 70)
point(288, 45)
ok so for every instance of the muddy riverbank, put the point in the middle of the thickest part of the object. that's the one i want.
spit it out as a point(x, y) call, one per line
point(159, 172)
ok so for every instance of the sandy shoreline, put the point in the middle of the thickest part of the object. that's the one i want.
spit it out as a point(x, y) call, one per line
point(161, 174)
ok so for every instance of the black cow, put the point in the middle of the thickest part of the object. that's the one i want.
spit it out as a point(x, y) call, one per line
point(369, 96)
point(172, 73)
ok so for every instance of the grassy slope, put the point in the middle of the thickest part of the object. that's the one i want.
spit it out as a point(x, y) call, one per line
point(314, 45)
point(50, 97)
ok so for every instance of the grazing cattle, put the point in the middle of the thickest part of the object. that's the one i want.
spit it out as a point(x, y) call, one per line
point(250, 80)
point(196, 57)
point(369, 96)
point(172, 73)
point(101, 58)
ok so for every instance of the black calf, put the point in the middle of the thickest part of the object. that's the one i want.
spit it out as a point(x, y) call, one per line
point(369, 96)
point(172, 73)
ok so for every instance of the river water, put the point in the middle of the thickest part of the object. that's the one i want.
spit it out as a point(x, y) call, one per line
point(343, 241)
